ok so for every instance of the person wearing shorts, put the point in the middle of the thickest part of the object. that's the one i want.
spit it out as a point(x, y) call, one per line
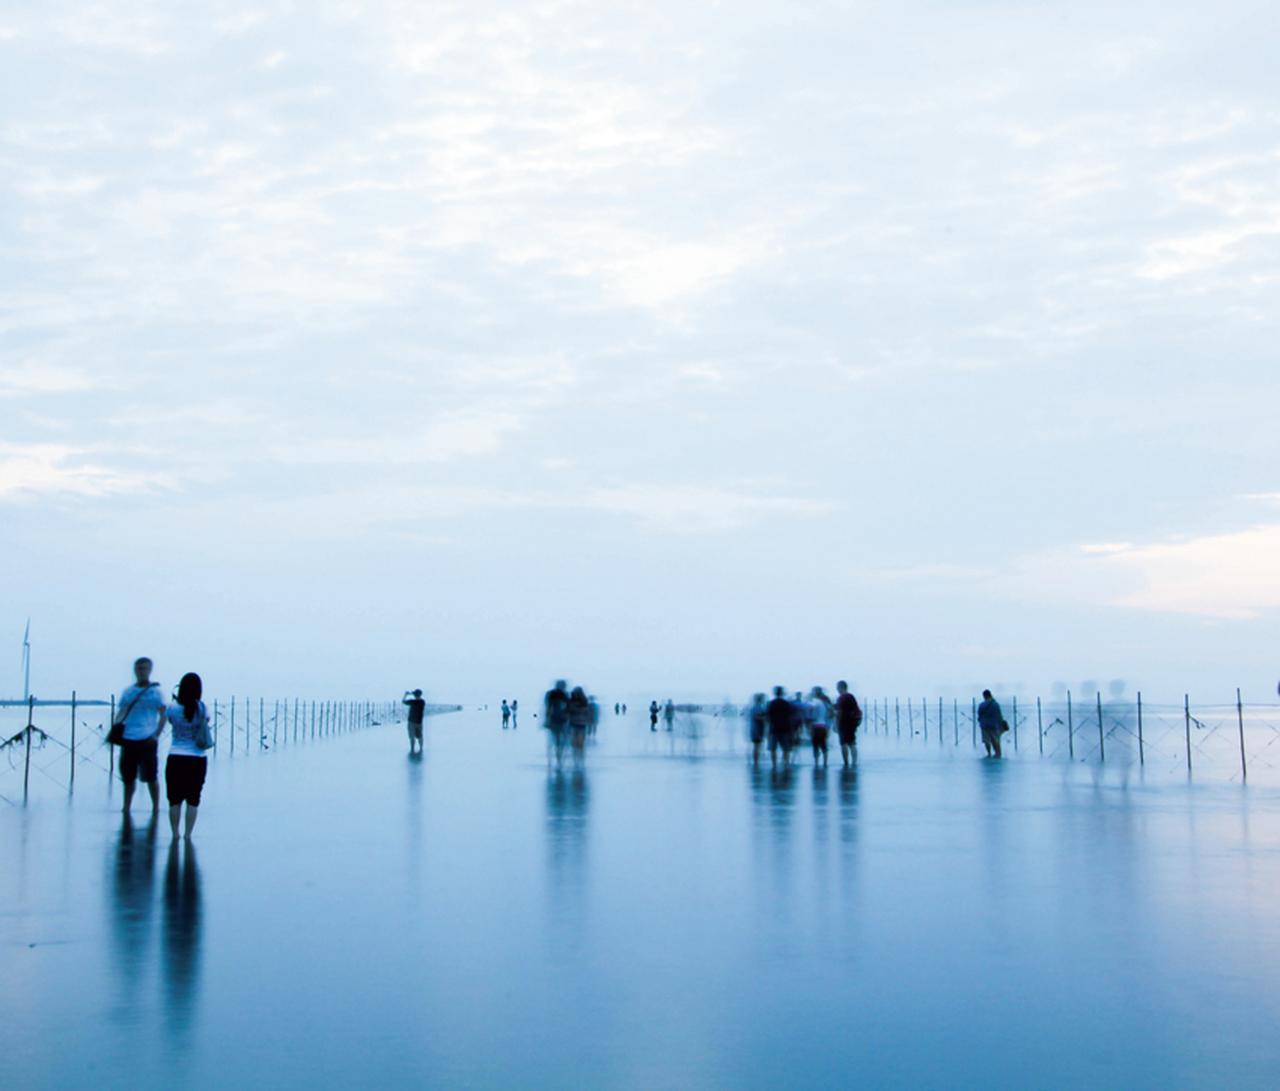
point(848, 720)
point(779, 713)
point(819, 715)
point(417, 713)
point(186, 766)
point(142, 712)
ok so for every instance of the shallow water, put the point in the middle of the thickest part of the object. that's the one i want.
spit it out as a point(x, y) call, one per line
point(666, 916)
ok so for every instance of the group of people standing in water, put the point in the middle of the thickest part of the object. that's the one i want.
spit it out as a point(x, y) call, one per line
point(783, 721)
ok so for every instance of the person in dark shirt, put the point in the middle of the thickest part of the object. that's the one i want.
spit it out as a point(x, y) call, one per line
point(653, 715)
point(556, 716)
point(991, 721)
point(848, 720)
point(417, 712)
point(579, 709)
point(781, 729)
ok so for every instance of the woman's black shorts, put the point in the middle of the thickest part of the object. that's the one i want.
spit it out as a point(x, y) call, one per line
point(184, 778)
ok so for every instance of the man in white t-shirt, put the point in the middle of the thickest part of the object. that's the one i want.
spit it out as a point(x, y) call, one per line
point(141, 709)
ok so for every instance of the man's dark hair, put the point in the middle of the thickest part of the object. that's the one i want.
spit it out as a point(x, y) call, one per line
point(987, 694)
point(142, 659)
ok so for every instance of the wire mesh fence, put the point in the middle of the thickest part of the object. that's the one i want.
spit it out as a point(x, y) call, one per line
point(56, 741)
point(1231, 741)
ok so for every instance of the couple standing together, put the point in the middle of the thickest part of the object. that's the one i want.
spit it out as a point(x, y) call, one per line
point(141, 716)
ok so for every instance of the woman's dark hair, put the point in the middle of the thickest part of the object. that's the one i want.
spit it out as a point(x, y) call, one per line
point(190, 689)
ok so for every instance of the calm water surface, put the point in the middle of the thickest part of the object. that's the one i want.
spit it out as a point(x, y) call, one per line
point(665, 917)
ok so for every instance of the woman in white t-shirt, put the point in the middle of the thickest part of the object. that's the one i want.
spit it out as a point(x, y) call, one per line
point(185, 770)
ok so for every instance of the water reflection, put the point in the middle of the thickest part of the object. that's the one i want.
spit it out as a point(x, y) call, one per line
point(181, 935)
point(132, 901)
point(568, 802)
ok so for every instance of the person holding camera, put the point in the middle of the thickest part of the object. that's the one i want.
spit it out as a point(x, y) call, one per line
point(417, 712)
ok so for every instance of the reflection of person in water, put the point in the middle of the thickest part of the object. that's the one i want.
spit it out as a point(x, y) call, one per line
point(567, 810)
point(132, 893)
point(181, 933)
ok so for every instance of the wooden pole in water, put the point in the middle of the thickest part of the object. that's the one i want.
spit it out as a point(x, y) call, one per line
point(262, 723)
point(973, 722)
point(111, 756)
point(1102, 744)
point(1015, 724)
point(1040, 724)
point(1071, 734)
point(1186, 714)
point(897, 717)
point(26, 768)
point(233, 725)
point(1142, 757)
point(215, 724)
point(942, 723)
point(955, 718)
point(72, 782)
point(1244, 769)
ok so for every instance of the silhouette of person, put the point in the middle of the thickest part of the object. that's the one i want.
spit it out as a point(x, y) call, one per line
point(417, 713)
point(991, 722)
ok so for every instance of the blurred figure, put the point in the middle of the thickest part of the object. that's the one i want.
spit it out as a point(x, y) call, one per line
point(617, 709)
point(991, 722)
point(556, 717)
point(820, 712)
point(579, 709)
point(624, 708)
point(186, 766)
point(515, 713)
point(669, 713)
point(799, 717)
point(417, 712)
point(506, 714)
point(758, 721)
point(593, 719)
point(848, 720)
point(653, 715)
point(780, 716)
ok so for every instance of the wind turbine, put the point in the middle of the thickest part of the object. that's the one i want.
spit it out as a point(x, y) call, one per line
point(26, 663)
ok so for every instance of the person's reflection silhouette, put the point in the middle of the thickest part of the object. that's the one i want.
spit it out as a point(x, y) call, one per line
point(567, 805)
point(132, 901)
point(181, 935)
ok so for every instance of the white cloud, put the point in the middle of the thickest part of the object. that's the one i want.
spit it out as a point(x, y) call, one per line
point(49, 469)
point(1233, 576)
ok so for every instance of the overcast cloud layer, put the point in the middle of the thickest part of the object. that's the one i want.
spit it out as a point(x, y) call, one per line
point(681, 346)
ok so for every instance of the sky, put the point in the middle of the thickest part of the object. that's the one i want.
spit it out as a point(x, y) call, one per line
point(670, 347)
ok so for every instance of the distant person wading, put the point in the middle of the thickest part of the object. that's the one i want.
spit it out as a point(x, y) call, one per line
point(417, 712)
point(991, 721)
point(848, 720)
